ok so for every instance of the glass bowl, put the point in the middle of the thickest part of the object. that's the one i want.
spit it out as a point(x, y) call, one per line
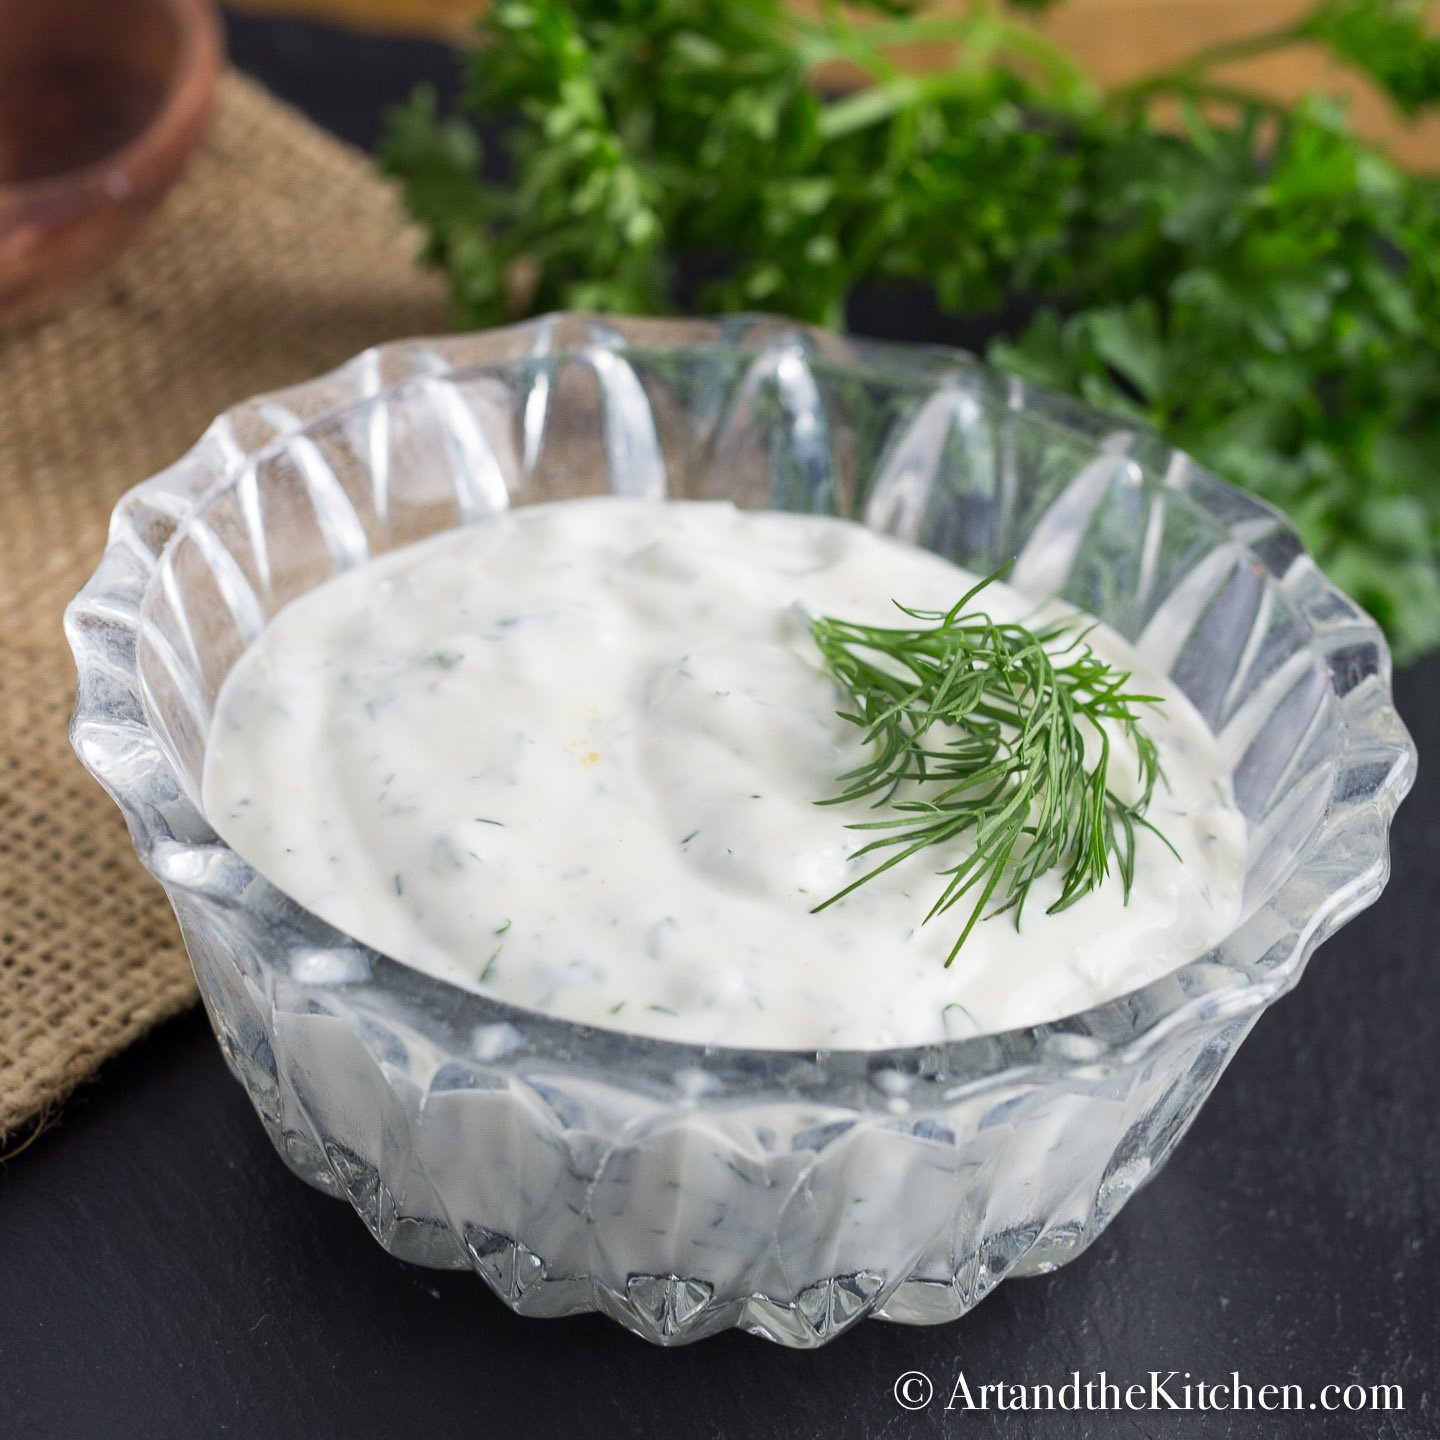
point(681, 1189)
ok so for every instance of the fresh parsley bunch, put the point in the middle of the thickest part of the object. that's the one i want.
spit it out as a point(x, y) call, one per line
point(1253, 280)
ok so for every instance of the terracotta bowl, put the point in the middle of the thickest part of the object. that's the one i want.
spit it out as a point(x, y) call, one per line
point(101, 104)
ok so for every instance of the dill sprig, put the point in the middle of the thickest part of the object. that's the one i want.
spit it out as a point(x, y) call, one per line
point(979, 730)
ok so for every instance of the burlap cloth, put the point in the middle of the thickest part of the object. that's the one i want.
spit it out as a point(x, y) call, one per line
point(279, 254)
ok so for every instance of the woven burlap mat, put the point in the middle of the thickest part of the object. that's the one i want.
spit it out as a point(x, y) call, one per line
point(278, 255)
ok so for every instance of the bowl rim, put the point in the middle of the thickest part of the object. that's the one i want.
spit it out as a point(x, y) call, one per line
point(1374, 766)
point(187, 104)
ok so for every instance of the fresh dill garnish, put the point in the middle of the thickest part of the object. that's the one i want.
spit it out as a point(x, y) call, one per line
point(979, 729)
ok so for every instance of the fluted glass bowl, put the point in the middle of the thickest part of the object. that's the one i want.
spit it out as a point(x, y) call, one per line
point(682, 1189)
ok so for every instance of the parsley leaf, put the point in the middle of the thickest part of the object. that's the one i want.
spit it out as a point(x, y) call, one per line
point(1252, 279)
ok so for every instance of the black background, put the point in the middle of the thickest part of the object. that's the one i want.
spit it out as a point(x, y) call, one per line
point(162, 1274)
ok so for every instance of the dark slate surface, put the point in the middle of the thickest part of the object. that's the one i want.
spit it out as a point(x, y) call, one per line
point(161, 1273)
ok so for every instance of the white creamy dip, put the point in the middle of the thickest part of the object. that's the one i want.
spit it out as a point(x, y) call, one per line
point(569, 757)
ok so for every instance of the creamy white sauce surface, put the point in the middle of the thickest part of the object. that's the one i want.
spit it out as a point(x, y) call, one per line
point(569, 757)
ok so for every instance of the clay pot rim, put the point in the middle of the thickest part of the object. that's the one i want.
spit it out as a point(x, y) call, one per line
point(152, 153)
